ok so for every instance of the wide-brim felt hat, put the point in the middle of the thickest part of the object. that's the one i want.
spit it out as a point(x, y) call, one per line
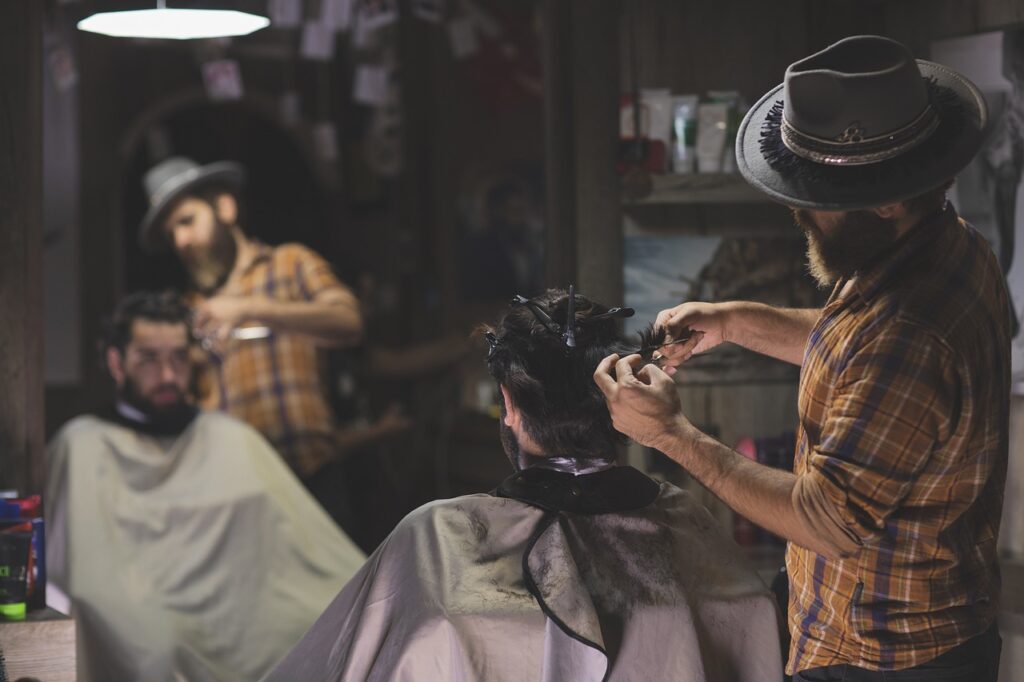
point(172, 179)
point(860, 124)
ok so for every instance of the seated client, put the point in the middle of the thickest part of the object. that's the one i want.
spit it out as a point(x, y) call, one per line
point(574, 568)
point(188, 549)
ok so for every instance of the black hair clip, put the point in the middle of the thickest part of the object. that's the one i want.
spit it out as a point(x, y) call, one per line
point(568, 333)
point(538, 312)
point(492, 343)
point(611, 314)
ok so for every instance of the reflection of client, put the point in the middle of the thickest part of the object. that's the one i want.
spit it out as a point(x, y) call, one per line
point(1003, 157)
point(188, 549)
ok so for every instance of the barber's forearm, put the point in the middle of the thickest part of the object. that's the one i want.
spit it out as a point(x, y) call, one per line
point(760, 493)
point(329, 323)
point(780, 333)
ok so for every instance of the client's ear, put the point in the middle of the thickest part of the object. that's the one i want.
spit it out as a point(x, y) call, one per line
point(512, 415)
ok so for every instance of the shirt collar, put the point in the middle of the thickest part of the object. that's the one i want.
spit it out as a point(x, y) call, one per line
point(260, 252)
point(921, 237)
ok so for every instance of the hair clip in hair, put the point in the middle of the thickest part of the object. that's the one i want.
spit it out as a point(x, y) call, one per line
point(572, 325)
point(492, 343)
point(612, 313)
point(538, 312)
point(569, 335)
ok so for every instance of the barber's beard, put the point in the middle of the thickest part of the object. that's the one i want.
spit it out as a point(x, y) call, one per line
point(209, 267)
point(171, 417)
point(855, 243)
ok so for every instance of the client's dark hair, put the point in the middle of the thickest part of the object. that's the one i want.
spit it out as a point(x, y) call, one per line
point(163, 306)
point(551, 383)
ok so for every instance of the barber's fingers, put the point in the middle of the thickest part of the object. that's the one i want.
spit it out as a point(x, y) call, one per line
point(625, 368)
point(603, 375)
point(678, 353)
point(663, 317)
point(652, 375)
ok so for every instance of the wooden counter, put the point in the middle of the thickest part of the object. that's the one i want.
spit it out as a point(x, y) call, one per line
point(41, 647)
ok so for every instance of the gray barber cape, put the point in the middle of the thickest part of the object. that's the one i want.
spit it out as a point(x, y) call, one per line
point(193, 558)
point(552, 577)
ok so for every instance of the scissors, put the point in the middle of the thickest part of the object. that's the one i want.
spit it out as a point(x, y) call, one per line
point(659, 361)
point(207, 341)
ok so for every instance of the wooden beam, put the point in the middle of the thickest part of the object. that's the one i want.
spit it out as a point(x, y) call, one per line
point(581, 92)
point(21, 232)
point(559, 150)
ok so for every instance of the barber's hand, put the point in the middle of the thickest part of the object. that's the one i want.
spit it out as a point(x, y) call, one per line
point(643, 403)
point(705, 320)
point(217, 316)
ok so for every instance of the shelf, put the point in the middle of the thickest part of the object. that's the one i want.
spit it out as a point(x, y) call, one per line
point(701, 188)
point(705, 203)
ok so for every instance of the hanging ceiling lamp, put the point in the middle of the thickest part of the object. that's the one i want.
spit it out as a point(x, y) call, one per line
point(176, 24)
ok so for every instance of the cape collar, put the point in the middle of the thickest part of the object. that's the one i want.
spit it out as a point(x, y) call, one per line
point(128, 416)
point(612, 490)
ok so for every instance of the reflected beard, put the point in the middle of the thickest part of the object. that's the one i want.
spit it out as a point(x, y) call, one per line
point(857, 241)
point(172, 417)
point(210, 267)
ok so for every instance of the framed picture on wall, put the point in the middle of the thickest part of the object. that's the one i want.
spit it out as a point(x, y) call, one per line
point(989, 193)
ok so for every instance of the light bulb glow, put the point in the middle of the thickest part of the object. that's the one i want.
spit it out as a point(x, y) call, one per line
point(174, 24)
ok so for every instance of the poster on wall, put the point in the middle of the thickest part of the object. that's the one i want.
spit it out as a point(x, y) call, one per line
point(989, 193)
point(666, 268)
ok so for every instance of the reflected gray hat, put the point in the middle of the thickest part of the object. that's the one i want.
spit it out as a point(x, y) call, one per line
point(171, 179)
point(858, 125)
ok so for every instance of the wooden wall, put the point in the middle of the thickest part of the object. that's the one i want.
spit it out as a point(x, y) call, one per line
point(21, 235)
point(918, 22)
point(744, 45)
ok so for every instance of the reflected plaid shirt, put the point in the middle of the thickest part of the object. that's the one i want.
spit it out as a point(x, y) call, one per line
point(274, 383)
point(904, 411)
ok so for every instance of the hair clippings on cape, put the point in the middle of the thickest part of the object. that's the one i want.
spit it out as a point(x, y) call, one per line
point(568, 333)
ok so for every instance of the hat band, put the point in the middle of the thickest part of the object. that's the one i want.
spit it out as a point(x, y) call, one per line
point(172, 183)
point(851, 148)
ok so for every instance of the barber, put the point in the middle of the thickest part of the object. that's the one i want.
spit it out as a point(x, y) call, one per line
point(892, 510)
point(263, 312)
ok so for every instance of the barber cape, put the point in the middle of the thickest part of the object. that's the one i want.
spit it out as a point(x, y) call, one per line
point(554, 577)
point(196, 557)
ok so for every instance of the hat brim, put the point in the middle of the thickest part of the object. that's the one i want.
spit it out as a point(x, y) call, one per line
point(804, 188)
point(221, 172)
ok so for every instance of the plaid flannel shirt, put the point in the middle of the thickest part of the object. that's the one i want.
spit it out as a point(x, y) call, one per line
point(904, 412)
point(274, 384)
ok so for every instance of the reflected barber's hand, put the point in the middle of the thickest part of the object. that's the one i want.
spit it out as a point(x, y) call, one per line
point(216, 317)
point(643, 400)
point(706, 321)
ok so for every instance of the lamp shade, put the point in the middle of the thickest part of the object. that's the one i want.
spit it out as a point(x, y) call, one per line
point(175, 24)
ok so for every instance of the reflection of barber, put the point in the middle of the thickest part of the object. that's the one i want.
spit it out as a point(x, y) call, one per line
point(893, 508)
point(272, 382)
